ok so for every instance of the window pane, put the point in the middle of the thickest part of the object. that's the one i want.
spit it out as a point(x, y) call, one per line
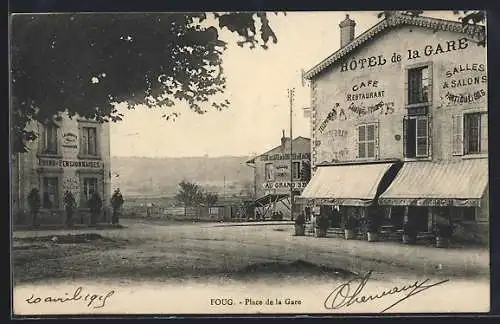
point(410, 138)
point(91, 132)
point(422, 127)
point(422, 146)
point(50, 139)
point(414, 85)
point(361, 131)
point(361, 150)
point(472, 133)
point(370, 132)
point(371, 149)
point(425, 85)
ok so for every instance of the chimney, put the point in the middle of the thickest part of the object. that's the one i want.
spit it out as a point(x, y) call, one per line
point(346, 31)
point(283, 139)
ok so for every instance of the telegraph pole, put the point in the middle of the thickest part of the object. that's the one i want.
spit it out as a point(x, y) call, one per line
point(291, 95)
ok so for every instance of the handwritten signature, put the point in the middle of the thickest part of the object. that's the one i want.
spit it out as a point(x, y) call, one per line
point(345, 296)
point(91, 300)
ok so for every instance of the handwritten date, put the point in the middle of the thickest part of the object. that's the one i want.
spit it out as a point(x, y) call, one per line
point(91, 300)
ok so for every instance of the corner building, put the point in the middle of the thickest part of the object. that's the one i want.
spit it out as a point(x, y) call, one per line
point(69, 154)
point(273, 173)
point(399, 125)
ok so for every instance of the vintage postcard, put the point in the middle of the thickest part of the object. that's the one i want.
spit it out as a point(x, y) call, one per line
point(249, 163)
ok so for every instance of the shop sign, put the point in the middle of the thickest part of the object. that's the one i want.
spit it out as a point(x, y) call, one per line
point(279, 157)
point(284, 184)
point(69, 163)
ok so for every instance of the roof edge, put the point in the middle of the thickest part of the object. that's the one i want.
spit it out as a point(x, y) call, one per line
point(391, 22)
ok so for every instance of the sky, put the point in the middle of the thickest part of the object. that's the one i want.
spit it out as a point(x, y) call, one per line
point(257, 83)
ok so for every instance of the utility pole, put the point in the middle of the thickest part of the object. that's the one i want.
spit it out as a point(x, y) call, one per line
point(291, 95)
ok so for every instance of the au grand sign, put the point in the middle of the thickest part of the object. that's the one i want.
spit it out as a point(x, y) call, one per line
point(69, 163)
point(285, 184)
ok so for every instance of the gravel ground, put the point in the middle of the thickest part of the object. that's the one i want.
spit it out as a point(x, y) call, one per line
point(143, 251)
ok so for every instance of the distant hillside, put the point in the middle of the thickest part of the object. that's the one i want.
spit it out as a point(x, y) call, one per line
point(141, 176)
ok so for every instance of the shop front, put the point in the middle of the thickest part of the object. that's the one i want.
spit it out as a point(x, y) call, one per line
point(347, 194)
point(452, 193)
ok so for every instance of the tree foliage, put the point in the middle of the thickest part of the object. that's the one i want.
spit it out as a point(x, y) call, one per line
point(189, 194)
point(210, 198)
point(86, 63)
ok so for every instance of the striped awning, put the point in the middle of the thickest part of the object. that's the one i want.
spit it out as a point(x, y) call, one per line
point(351, 185)
point(445, 183)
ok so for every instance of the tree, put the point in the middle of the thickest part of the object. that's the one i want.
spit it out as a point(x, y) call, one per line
point(189, 194)
point(210, 199)
point(85, 64)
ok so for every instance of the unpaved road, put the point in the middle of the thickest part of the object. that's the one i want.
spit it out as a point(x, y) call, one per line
point(144, 251)
point(181, 268)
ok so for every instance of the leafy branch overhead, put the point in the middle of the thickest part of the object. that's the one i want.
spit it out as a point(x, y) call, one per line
point(84, 64)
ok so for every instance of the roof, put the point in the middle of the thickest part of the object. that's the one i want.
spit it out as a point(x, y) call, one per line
point(350, 184)
point(455, 183)
point(390, 23)
point(251, 161)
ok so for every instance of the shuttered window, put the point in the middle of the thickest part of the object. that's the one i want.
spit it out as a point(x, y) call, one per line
point(368, 141)
point(475, 133)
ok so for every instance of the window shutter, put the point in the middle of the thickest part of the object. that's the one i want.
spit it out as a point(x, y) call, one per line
point(406, 86)
point(484, 133)
point(457, 135)
point(430, 79)
point(41, 134)
point(405, 139)
point(376, 136)
point(356, 142)
point(82, 139)
point(429, 135)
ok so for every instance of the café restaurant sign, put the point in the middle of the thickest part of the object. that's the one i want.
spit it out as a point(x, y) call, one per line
point(284, 184)
point(69, 163)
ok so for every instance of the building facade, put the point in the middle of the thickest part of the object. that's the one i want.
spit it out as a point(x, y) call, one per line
point(69, 154)
point(399, 122)
point(273, 174)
